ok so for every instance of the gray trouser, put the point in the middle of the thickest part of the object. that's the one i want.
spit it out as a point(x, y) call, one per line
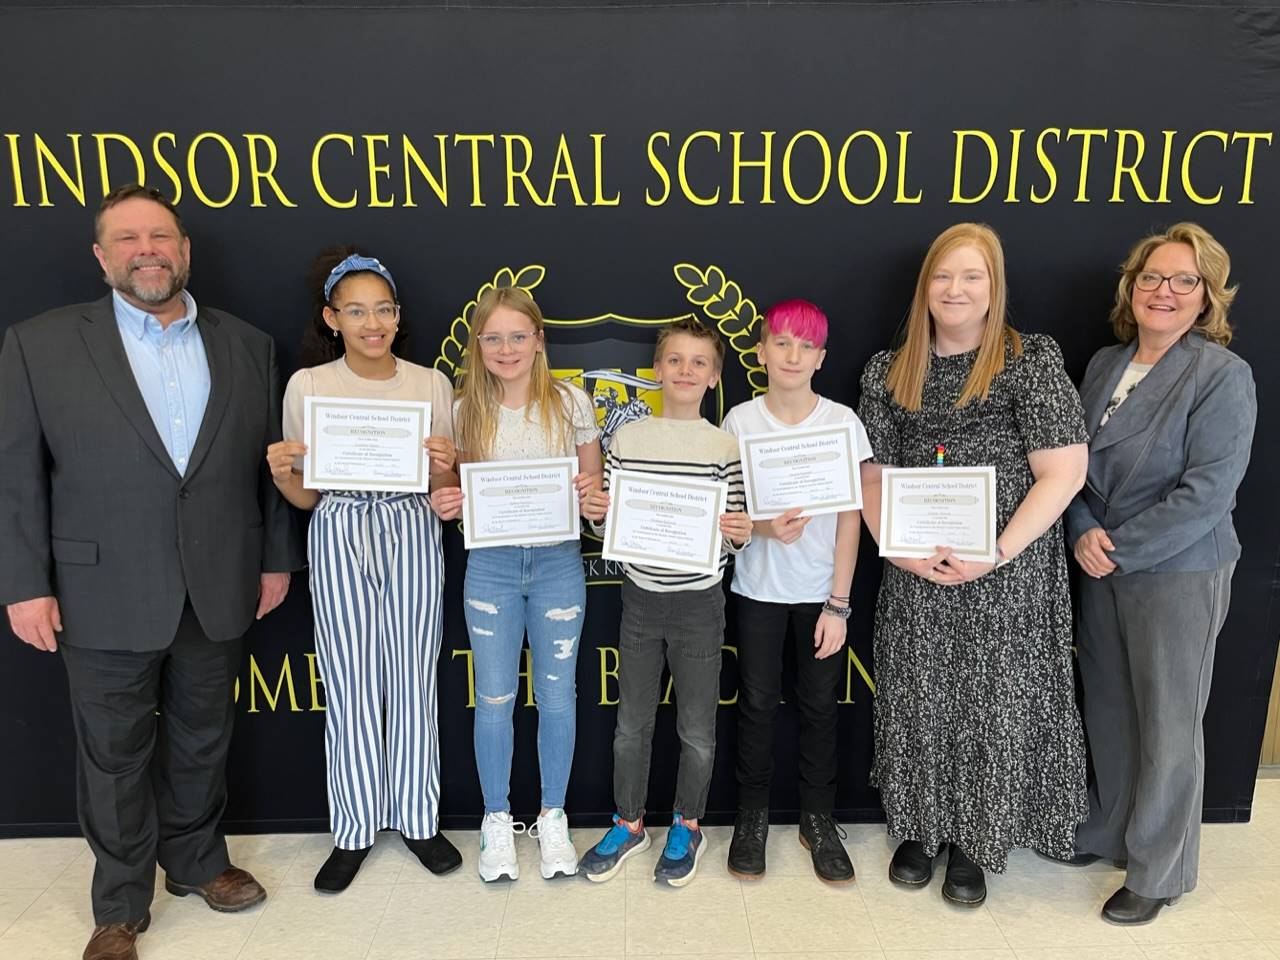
point(1146, 643)
point(685, 629)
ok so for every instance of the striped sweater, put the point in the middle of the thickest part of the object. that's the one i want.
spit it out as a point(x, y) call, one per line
point(683, 448)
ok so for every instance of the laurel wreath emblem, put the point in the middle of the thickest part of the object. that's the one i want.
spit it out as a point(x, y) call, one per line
point(734, 315)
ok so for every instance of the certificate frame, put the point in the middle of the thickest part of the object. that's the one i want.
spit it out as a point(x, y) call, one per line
point(716, 496)
point(754, 445)
point(985, 477)
point(474, 476)
point(417, 414)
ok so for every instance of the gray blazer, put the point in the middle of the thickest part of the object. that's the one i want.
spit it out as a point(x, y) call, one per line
point(92, 510)
point(1164, 470)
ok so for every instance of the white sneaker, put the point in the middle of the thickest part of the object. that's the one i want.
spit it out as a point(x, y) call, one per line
point(498, 847)
point(558, 854)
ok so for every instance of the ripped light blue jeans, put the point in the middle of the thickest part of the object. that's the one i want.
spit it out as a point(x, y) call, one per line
point(508, 592)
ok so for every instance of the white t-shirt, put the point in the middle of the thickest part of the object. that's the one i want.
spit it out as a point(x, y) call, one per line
point(798, 572)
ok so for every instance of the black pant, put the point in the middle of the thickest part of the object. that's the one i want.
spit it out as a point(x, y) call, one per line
point(764, 631)
point(152, 787)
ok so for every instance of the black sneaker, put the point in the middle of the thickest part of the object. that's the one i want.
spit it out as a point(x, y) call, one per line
point(436, 853)
point(746, 849)
point(910, 865)
point(964, 883)
point(821, 836)
point(337, 872)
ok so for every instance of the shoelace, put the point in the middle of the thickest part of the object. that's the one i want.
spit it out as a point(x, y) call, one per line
point(500, 834)
point(754, 827)
point(827, 832)
point(552, 831)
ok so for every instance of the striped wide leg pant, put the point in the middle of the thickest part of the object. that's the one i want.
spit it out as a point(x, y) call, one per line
point(377, 574)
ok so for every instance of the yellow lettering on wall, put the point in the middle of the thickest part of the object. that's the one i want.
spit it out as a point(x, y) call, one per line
point(521, 173)
point(732, 651)
point(471, 675)
point(163, 163)
point(1015, 157)
point(765, 165)
point(842, 177)
point(140, 168)
point(993, 160)
point(44, 156)
point(439, 186)
point(600, 200)
point(316, 683)
point(474, 140)
point(1128, 169)
point(1046, 165)
point(1086, 142)
point(681, 168)
point(562, 169)
point(788, 185)
point(371, 143)
point(321, 190)
point(1190, 191)
point(193, 175)
point(258, 682)
point(659, 169)
point(15, 161)
point(256, 173)
point(1251, 141)
point(901, 196)
point(608, 671)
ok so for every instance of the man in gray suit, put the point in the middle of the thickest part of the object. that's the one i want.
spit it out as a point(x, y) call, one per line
point(142, 536)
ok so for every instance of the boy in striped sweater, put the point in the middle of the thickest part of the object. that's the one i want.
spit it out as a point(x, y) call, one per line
point(673, 616)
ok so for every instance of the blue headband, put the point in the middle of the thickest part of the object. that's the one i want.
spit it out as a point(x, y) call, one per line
point(355, 263)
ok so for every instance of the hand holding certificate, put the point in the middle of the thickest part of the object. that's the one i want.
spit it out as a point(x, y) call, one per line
point(815, 469)
point(519, 502)
point(667, 522)
point(366, 444)
point(924, 508)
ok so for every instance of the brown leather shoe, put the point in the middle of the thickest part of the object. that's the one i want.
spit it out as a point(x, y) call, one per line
point(230, 891)
point(115, 941)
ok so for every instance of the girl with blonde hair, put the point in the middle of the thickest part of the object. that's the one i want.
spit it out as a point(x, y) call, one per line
point(511, 407)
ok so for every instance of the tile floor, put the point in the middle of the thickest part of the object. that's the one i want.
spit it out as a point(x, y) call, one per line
point(397, 911)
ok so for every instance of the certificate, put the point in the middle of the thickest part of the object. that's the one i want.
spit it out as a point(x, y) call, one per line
point(668, 522)
point(927, 507)
point(815, 468)
point(366, 444)
point(519, 502)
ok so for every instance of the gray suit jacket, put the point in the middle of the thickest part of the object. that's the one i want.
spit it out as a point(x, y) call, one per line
point(1164, 470)
point(92, 510)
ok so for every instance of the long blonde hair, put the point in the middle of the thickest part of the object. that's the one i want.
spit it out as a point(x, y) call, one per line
point(1211, 260)
point(910, 364)
point(480, 393)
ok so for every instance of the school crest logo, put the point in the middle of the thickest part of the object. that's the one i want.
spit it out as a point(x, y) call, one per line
point(610, 355)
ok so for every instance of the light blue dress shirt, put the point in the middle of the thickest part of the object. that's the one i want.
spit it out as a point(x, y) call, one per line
point(172, 371)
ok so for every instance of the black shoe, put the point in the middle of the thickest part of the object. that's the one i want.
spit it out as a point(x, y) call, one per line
point(436, 853)
point(340, 869)
point(1077, 859)
point(964, 883)
point(821, 836)
point(910, 865)
point(1127, 907)
point(746, 849)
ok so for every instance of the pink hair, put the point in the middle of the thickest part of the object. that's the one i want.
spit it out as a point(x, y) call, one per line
point(799, 318)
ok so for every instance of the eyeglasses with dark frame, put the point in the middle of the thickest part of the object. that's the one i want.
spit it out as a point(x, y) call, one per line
point(1149, 281)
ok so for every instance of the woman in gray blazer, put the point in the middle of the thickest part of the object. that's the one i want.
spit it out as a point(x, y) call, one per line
point(1171, 411)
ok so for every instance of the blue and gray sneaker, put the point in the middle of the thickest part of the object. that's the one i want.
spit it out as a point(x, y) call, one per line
point(605, 859)
point(679, 860)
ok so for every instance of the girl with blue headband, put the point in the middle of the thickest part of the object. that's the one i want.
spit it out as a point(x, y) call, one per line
point(377, 573)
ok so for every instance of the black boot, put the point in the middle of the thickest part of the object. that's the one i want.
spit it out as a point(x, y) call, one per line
point(340, 869)
point(1127, 907)
point(964, 883)
point(436, 853)
point(820, 835)
point(910, 865)
point(746, 849)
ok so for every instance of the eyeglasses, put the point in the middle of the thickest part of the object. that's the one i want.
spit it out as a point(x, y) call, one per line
point(1182, 283)
point(517, 341)
point(357, 313)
